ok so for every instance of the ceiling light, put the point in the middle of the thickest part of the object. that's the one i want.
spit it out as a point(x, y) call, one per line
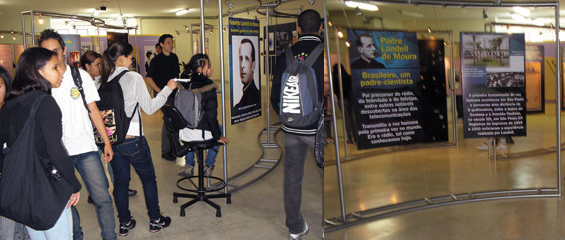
point(357, 11)
point(407, 13)
point(340, 34)
point(517, 17)
point(330, 23)
point(182, 11)
point(485, 16)
point(522, 11)
point(224, 29)
point(2, 36)
point(312, 2)
point(228, 3)
point(429, 30)
point(347, 44)
point(177, 32)
point(301, 9)
point(364, 6)
point(40, 20)
point(231, 14)
point(13, 37)
point(211, 31)
point(207, 1)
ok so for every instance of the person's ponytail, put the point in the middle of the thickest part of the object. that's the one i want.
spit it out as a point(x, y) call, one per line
point(109, 58)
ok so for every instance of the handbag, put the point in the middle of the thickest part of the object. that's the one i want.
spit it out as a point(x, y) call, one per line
point(32, 191)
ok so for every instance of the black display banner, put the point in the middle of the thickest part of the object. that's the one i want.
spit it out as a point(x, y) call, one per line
point(493, 77)
point(398, 89)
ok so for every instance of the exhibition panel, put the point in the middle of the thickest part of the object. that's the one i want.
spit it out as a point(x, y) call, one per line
point(423, 97)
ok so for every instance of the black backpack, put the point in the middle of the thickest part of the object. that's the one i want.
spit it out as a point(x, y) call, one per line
point(112, 108)
point(299, 104)
point(32, 191)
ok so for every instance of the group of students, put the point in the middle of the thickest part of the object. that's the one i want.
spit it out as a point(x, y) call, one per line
point(63, 115)
point(68, 113)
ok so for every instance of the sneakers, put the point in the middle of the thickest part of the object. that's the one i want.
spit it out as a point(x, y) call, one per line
point(124, 228)
point(168, 156)
point(298, 236)
point(208, 171)
point(500, 146)
point(162, 222)
point(187, 171)
point(131, 192)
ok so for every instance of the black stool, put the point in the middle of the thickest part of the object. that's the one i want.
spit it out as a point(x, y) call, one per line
point(201, 191)
point(174, 122)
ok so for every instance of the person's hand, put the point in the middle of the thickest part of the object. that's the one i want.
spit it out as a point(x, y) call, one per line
point(172, 84)
point(74, 199)
point(108, 153)
point(223, 140)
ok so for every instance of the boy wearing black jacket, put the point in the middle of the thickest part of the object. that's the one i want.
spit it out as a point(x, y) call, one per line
point(297, 140)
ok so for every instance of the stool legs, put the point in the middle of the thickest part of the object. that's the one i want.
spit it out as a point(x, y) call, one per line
point(201, 193)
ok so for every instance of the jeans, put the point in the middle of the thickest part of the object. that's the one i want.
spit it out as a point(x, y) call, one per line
point(296, 148)
point(90, 167)
point(63, 229)
point(210, 155)
point(134, 151)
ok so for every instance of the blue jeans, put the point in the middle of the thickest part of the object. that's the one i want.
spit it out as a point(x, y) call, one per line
point(63, 229)
point(90, 167)
point(134, 151)
point(210, 155)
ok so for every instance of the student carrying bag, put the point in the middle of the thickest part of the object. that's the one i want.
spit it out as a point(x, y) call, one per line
point(112, 108)
point(32, 191)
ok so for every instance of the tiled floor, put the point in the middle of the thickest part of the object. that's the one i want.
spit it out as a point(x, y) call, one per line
point(256, 212)
point(377, 180)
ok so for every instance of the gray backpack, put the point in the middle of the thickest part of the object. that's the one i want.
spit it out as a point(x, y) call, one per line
point(190, 106)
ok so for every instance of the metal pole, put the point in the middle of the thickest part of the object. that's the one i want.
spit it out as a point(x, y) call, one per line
point(454, 91)
point(268, 73)
point(24, 30)
point(340, 97)
point(223, 79)
point(559, 97)
point(32, 30)
point(202, 26)
point(338, 163)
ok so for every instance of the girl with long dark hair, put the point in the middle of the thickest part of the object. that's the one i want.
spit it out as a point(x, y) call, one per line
point(36, 73)
point(134, 150)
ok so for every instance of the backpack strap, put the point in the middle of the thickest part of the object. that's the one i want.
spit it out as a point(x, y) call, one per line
point(289, 57)
point(78, 82)
point(118, 78)
point(313, 56)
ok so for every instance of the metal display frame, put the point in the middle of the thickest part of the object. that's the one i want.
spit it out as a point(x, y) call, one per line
point(356, 218)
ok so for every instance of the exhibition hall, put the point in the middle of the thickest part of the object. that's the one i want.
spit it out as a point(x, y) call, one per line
point(452, 120)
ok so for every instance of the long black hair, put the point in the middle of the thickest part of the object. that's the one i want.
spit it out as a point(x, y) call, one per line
point(195, 62)
point(110, 57)
point(5, 75)
point(28, 77)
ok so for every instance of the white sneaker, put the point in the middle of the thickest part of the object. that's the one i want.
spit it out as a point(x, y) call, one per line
point(483, 146)
point(501, 146)
point(298, 236)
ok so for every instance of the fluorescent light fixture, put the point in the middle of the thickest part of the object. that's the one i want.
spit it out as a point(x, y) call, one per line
point(364, 6)
point(522, 11)
point(182, 11)
point(340, 34)
point(347, 44)
point(411, 14)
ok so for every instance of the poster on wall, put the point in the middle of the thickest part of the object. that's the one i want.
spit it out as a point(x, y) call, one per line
point(534, 78)
point(389, 89)
point(73, 44)
point(245, 82)
point(494, 85)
